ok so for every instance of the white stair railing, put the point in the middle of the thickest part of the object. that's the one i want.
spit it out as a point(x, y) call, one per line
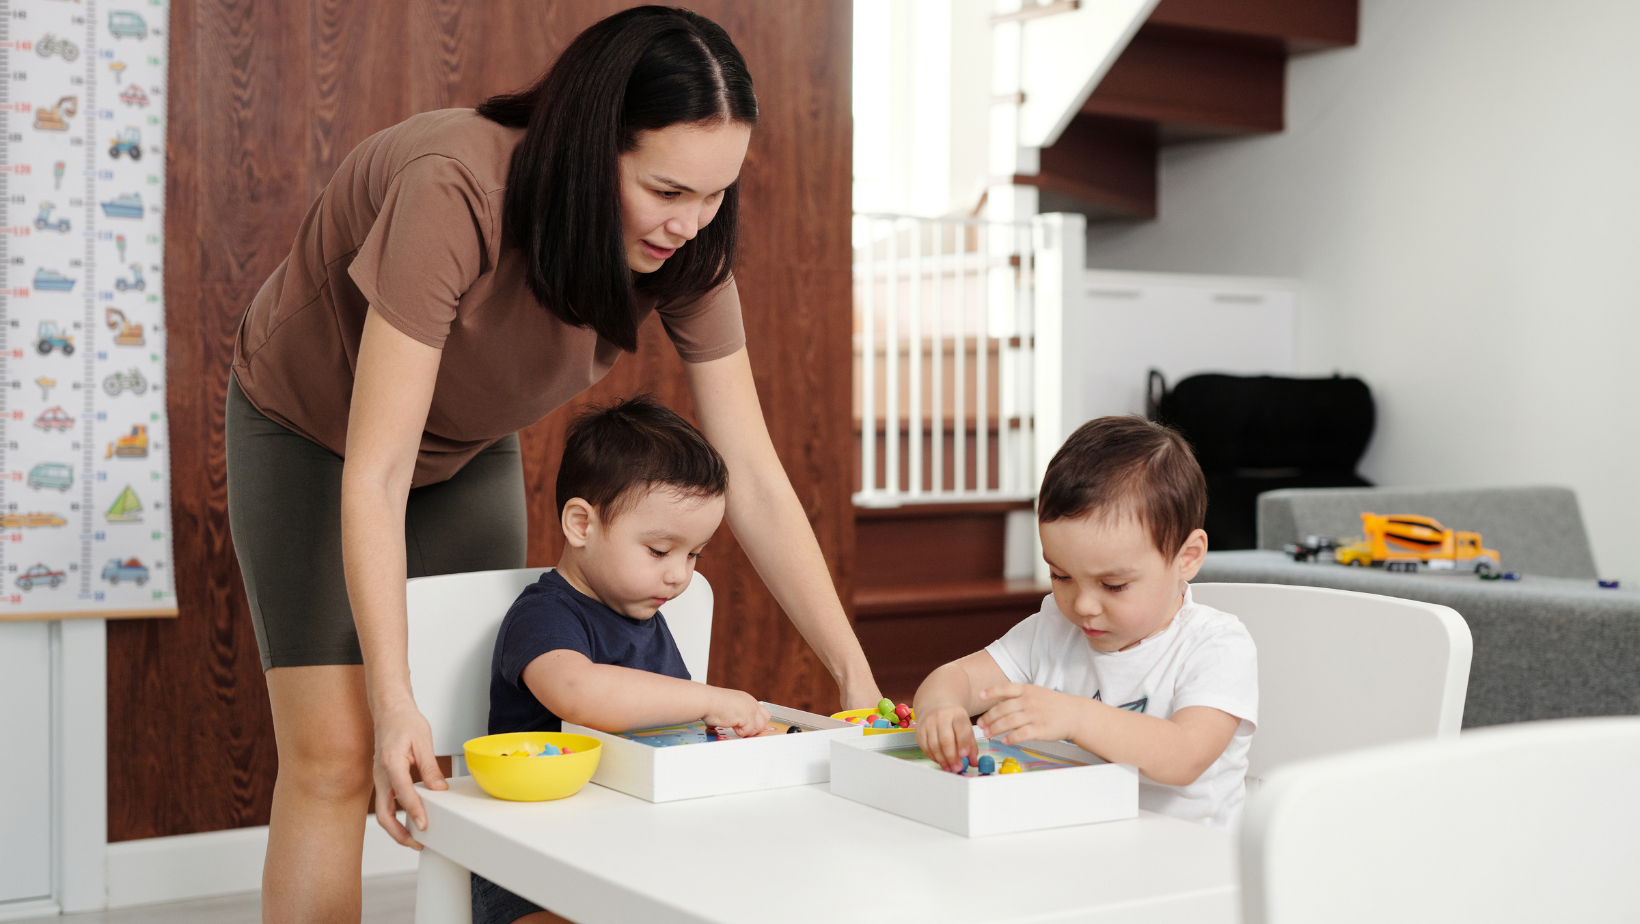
point(947, 378)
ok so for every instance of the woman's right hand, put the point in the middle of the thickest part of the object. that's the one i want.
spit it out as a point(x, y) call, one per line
point(737, 710)
point(403, 740)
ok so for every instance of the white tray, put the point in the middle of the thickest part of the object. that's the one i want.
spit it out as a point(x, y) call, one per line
point(982, 806)
point(717, 768)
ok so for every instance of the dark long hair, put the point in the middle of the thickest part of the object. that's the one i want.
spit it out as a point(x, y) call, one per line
point(642, 69)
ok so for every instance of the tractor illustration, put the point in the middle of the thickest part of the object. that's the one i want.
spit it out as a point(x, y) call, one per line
point(129, 334)
point(135, 283)
point(129, 143)
point(54, 118)
point(131, 446)
point(49, 45)
point(52, 338)
point(121, 381)
point(44, 222)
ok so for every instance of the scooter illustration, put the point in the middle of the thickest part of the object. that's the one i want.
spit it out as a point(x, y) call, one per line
point(44, 222)
point(120, 381)
point(50, 44)
point(135, 283)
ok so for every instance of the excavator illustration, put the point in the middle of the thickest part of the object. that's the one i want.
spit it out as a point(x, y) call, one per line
point(133, 445)
point(54, 119)
point(128, 334)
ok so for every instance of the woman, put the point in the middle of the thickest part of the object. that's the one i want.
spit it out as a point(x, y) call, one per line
point(465, 273)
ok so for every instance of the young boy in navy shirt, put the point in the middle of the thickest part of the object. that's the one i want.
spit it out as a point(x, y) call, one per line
point(640, 492)
point(1120, 661)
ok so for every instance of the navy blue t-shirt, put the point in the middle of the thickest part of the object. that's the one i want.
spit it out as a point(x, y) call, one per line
point(549, 615)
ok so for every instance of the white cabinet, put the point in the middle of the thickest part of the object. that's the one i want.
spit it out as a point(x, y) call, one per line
point(25, 761)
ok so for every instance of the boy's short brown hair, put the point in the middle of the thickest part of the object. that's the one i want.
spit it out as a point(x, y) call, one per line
point(635, 444)
point(1117, 465)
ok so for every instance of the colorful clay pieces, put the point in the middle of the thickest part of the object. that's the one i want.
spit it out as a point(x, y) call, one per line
point(547, 750)
point(888, 715)
point(1009, 765)
point(987, 764)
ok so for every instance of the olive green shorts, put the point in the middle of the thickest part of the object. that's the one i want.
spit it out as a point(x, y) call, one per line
point(285, 512)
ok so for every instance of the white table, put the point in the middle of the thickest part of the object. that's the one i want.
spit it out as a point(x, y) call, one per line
point(803, 855)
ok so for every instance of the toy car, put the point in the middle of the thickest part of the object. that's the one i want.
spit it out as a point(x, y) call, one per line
point(40, 574)
point(116, 571)
point(133, 96)
point(1313, 548)
point(1409, 542)
point(54, 418)
point(51, 475)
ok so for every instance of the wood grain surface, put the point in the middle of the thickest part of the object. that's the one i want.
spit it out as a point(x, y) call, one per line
point(266, 98)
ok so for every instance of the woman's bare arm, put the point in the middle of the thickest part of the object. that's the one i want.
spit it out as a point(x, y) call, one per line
point(770, 523)
point(392, 391)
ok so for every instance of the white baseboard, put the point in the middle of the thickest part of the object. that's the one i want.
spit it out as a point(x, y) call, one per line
point(171, 869)
point(31, 908)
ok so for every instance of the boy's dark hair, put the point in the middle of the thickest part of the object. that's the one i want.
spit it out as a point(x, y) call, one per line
point(639, 70)
point(633, 444)
point(1116, 465)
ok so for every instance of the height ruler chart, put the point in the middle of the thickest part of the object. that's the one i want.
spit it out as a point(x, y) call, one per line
point(85, 486)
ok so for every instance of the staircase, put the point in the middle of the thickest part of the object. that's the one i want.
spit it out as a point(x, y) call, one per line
point(959, 404)
point(1196, 70)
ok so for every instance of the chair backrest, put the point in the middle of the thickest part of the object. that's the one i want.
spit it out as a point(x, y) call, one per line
point(453, 620)
point(1339, 670)
point(1516, 823)
point(1538, 530)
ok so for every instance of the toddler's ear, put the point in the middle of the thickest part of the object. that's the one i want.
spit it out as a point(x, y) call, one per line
point(1192, 554)
point(578, 519)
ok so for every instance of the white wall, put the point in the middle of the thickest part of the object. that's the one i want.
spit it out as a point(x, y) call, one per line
point(1460, 197)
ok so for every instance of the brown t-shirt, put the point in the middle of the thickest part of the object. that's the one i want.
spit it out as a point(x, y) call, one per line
point(411, 224)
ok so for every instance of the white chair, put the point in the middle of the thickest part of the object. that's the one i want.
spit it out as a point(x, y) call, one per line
point(453, 621)
point(1519, 823)
point(1339, 670)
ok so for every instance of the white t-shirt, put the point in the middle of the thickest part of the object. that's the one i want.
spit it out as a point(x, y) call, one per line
point(1205, 658)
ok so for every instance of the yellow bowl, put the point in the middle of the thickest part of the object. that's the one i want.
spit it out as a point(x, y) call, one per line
point(532, 779)
point(860, 713)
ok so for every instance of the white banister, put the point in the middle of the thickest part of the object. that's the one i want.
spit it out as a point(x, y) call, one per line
point(983, 296)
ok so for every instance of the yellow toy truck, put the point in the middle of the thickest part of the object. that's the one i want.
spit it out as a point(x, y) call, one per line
point(1408, 542)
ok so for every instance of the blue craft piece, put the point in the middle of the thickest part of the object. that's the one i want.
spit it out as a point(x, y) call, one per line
point(550, 750)
point(987, 765)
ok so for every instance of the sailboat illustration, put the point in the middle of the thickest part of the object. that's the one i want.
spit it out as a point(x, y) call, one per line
point(126, 509)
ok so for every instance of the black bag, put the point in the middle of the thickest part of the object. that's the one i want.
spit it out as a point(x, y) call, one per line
point(1254, 434)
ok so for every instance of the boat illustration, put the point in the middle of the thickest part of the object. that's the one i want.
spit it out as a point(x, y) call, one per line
point(125, 205)
point(50, 280)
point(126, 509)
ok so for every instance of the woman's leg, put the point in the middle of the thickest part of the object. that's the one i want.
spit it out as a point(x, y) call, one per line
point(284, 507)
point(321, 722)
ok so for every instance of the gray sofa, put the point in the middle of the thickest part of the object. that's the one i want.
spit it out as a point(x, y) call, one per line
point(1551, 645)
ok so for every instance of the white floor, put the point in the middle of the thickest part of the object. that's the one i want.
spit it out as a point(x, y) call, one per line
point(387, 900)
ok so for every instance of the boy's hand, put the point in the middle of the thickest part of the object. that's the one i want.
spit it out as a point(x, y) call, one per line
point(737, 710)
point(1029, 713)
point(946, 735)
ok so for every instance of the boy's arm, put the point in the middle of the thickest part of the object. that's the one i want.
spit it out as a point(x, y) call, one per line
point(611, 698)
point(1174, 751)
point(946, 701)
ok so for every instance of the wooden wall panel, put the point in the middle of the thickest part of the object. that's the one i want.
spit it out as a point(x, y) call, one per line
point(266, 98)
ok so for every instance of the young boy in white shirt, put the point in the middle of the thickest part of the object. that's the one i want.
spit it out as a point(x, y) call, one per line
point(1119, 661)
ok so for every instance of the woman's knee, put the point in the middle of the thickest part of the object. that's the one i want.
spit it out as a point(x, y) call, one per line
point(322, 726)
point(339, 775)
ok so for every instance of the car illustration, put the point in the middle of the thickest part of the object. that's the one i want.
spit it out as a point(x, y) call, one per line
point(125, 205)
point(44, 221)
point(54, 418)
point(21, 520)
point(129, 570)
point(40, 574)
point(49, 280)
point(125, 24)
point(51, 475)
point(51, 337)
point(133, 96)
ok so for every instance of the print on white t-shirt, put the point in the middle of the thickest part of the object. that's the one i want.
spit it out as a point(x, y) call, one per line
point(1204, 658)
